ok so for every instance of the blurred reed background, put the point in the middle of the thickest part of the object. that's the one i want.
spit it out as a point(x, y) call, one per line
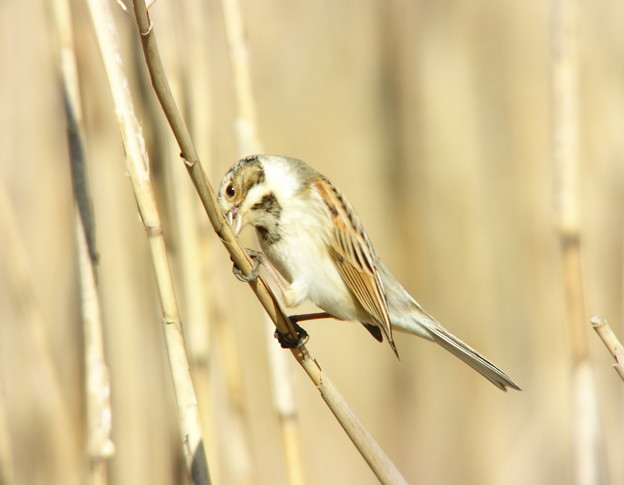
point(434, 118)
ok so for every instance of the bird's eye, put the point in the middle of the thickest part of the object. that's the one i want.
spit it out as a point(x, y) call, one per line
point(229, 190)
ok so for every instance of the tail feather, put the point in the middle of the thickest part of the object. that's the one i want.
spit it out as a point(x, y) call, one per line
point(406, 315)
point(473, 358)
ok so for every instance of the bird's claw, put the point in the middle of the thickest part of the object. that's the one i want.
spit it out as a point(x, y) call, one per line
point(258, 259)
point(288, 342)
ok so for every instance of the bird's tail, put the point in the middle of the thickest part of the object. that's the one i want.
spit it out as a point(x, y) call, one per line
point(418, 322)
point(471, 357)
point(406, 315)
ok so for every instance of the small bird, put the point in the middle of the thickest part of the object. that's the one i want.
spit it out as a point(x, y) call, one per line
point(314, 238)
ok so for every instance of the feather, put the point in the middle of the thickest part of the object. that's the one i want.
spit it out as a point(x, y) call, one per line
point(473, 358)
point(355, 257)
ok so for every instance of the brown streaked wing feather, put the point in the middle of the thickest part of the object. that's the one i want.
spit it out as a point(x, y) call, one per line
point(354, 256)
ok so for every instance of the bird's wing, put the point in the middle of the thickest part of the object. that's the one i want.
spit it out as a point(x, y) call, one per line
point(354, 256)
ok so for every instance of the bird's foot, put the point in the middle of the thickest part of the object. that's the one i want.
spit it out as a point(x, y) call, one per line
point(289, 342)
point(258, 259)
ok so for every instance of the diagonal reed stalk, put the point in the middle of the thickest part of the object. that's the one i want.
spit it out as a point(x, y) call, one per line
point(379, 462)
point(137, 167)
point(613, 344)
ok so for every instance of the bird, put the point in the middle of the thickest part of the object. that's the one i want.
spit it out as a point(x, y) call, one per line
point(311, 234)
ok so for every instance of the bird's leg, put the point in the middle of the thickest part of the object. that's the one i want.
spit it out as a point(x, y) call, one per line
point(288, 342)
point(309, 316)
point(285, 340)
point(257, 258)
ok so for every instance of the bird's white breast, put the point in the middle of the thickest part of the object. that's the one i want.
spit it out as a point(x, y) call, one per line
point(303, 258)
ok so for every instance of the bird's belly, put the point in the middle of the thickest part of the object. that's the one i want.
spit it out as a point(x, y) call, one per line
point(335, 298)
point(308, 266)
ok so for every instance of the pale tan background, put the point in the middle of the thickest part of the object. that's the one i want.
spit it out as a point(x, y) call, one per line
point(434, 119)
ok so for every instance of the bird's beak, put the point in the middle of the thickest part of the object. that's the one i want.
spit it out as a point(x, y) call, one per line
point(234, 219)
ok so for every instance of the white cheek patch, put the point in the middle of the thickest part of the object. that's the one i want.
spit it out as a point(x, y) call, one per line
point(254, 196)
point(281, 178)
